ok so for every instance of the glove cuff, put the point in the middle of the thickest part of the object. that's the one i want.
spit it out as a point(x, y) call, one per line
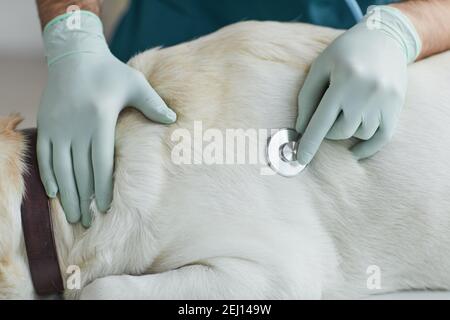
point(396, 25)
point(73, 33)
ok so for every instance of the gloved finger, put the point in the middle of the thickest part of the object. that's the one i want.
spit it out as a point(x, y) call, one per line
point(368, 127)
point(366, 149)
point(345, 126)
point(82, 164)
point(320, 124)
point(62, 164)
point(147, 100)
point(103, 166)
point(44, 155)
point(313, 89)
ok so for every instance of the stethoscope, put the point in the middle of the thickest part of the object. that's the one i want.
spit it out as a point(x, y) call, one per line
point(281, 153)
point(282, 146)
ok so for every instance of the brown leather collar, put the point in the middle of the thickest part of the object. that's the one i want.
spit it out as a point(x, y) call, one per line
point(37, 226)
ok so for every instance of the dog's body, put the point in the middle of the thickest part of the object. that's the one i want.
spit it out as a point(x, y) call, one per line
point(226, 231)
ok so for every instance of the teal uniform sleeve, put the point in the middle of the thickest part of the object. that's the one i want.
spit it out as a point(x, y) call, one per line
point(153, 23)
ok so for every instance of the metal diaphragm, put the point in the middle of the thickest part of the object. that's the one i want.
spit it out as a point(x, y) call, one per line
point(282, 153)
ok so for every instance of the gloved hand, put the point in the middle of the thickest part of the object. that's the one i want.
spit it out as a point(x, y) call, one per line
point(357, 86)
point(86, 90)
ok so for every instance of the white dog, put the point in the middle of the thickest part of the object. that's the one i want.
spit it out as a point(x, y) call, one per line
point(228, 232)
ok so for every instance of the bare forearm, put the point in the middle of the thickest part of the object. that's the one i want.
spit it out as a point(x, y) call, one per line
point(49, 9)
point(431, 19)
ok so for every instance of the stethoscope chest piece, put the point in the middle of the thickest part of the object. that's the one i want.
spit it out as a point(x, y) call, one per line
point(282, 153)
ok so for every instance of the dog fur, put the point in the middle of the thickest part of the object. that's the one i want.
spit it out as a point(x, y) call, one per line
point(228, 232)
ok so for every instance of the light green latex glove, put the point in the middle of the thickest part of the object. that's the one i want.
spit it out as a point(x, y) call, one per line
point(86, 90)
point(357, 86)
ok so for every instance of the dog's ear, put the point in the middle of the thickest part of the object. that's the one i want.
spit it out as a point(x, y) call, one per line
point(10, 123)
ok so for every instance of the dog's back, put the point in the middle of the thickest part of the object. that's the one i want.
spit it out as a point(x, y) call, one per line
point(312, 236)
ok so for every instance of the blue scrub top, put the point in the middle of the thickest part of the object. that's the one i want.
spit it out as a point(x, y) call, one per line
point(151, 23)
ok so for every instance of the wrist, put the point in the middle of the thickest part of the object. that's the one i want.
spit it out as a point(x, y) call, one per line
point(397, 26)
point(74, 33)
